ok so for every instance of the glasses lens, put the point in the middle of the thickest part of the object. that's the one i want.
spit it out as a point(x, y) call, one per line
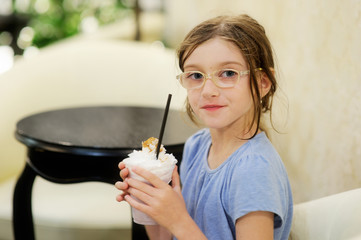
point(192, 79)
point(226, 77)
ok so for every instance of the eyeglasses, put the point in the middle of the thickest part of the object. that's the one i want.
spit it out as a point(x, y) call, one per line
point(224, 78)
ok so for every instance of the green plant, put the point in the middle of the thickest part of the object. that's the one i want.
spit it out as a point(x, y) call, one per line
point(52, 20)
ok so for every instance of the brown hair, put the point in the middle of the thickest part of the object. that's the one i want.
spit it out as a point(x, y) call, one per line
point(251, 39)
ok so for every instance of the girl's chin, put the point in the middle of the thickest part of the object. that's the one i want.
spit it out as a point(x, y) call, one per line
point(215, 124)
point(220, 122)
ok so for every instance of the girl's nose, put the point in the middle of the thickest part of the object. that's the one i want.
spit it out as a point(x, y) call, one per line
point(210, 89)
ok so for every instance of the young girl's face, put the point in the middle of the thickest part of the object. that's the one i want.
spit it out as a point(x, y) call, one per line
point(220, 108)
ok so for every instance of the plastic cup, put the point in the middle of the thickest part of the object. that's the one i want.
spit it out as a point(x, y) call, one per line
point(164, 173)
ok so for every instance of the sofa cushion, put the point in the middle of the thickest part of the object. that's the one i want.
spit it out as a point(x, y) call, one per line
point(70, 211)
point(333, 217)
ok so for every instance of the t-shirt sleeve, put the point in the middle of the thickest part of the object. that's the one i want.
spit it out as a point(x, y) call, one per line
point(255, 185)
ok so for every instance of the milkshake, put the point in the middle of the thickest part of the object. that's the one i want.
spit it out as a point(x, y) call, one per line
point(146, 158)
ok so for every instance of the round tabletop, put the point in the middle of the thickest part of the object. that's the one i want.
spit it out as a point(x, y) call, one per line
point(102, 128)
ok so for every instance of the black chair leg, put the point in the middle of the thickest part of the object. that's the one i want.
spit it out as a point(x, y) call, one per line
point(23, 226)
point(139, 232)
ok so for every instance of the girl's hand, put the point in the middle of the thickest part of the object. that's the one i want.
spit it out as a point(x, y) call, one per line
point(123, 186)
point(164, 203)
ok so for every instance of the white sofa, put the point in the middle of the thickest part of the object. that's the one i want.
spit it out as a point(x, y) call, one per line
point(74, 212)
point(335, 217)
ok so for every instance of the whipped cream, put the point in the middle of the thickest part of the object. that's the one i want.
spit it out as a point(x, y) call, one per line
point(146, 158)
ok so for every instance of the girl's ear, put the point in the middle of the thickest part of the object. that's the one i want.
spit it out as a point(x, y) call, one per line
point(264, 83)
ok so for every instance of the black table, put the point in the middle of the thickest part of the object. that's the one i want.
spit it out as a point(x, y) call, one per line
point(86, 144)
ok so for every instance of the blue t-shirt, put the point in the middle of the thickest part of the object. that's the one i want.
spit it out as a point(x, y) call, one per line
point(253, 178)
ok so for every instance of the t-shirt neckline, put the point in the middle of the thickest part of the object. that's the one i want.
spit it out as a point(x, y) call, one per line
point(208, 146)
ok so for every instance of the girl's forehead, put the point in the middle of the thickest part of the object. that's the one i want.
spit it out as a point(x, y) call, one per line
point(215, 52)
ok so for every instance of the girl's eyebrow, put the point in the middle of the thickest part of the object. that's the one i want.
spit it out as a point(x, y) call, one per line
point(220, 65)
point(191, 66)
point(232, 63)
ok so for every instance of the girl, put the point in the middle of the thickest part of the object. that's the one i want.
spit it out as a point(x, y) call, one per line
point(234, 184)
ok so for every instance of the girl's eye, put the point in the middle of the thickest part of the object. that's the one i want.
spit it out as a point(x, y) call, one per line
point(195, 76)
point(228, 74)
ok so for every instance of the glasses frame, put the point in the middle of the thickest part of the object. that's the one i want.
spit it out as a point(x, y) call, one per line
point(210, 77)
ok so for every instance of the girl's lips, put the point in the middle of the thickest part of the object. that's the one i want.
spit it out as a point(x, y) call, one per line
point(212, 107)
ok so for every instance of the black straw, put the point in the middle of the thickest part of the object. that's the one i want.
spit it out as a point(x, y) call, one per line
point(165, 116)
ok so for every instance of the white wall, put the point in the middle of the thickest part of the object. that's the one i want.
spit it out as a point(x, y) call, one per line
point(318, 47)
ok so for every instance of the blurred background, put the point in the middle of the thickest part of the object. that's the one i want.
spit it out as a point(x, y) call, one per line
point(27, 25)
point(91, 49)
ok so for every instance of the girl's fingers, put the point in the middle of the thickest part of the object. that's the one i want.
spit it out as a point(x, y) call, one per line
point(141, 186)
point(175, 177)
point(121, 165)
point(119, 197)
point(124, 173)
point(139, 194)
point(121, 185)
point(150, 177)
point(135, 204)
point(176, 181)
